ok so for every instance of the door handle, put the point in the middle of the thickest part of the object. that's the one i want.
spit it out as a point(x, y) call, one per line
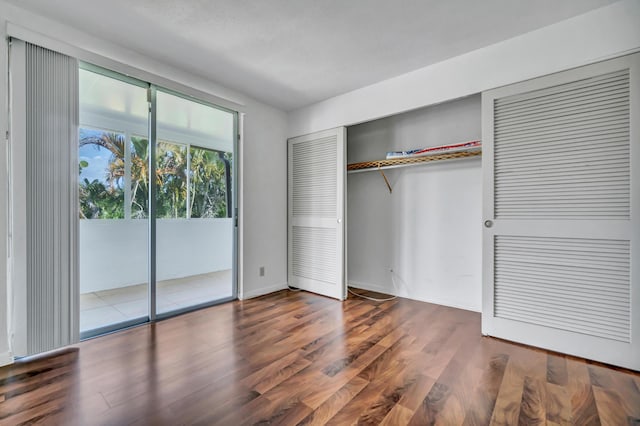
point(488, 223)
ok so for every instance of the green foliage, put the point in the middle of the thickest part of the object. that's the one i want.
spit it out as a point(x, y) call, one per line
point(139, 178)
point(97, 200)
point(208, 184)
point(100, 202)
point(207, 192)
point(171, 177)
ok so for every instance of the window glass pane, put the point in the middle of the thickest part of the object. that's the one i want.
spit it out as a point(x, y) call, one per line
point(104, 98)
point(139, 177)
point(195, 256)
point(208, 184)
point(171, 165)
point(113, 254)
point(101, 174)
point(171, 168)
point(185, 121)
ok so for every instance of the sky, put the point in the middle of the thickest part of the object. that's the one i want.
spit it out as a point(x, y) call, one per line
point(97, 157)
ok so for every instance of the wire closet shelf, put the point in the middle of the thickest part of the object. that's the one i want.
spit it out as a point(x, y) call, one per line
point(409, 161)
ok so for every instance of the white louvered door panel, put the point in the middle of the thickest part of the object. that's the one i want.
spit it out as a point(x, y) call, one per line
point(316, 212)
point(561, 160)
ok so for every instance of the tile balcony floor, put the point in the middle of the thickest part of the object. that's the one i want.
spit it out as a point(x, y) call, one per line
point(107, 307)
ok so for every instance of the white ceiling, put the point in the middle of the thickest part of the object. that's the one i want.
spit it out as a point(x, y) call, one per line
point(291, 53)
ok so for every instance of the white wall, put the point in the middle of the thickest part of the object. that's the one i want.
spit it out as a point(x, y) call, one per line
point(5, 354)
point(263, 183)
point(429, 229)
point(114, 253)
point(264, 207)
point(603, 33)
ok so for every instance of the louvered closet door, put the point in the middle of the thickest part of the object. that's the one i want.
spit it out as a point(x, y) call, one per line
point(561, 160)
point(316, 212)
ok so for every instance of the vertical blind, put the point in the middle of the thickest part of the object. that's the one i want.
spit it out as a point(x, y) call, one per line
point(51, 199)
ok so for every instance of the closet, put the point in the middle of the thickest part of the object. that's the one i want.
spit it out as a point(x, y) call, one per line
point(540, 235)
point(423, 239)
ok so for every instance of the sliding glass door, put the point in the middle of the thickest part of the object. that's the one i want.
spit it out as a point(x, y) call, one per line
point(156, 203)
point(112, 193)
point(194, 203)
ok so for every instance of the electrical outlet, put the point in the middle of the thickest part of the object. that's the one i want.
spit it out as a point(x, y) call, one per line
point(262, 271)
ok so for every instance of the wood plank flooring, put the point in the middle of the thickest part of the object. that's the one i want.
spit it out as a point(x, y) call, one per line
point(296, 358)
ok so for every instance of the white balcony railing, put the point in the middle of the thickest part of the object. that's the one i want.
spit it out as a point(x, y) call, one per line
point(114, 252)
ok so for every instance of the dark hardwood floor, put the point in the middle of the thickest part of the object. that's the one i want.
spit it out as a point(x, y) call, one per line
point(296, 358)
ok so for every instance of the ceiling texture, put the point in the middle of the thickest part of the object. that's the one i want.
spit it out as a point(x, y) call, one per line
point(291, 53)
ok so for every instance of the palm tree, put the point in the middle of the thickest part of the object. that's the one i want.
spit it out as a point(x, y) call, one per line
point(96, 199)
point(114, 143)
point(139, 177)
point(208, 184)
point(207, 190)
point(171, 168)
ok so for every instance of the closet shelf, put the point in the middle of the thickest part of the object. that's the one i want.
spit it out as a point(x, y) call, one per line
point(392, 163)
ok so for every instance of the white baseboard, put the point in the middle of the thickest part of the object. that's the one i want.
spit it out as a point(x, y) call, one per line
point(449, 304)
point(262, 291)
point(386, 290)
point(6, 358)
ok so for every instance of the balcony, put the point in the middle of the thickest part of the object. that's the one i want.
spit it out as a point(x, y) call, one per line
point(194, 264)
